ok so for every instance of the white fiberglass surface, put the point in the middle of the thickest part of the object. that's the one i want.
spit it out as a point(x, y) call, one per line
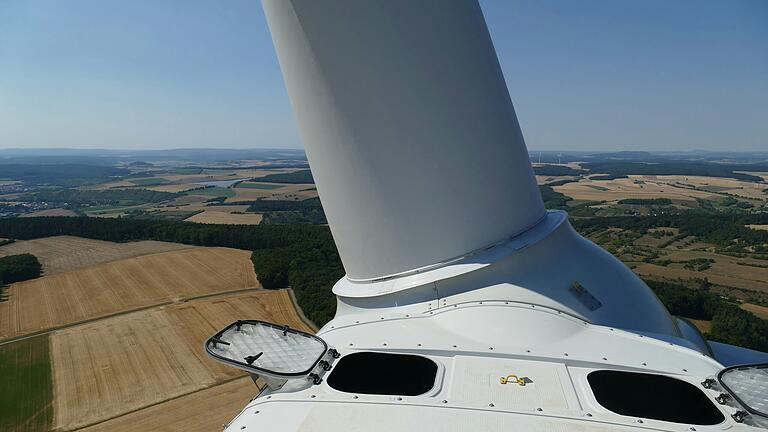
point(283, 352)
point(750, 385)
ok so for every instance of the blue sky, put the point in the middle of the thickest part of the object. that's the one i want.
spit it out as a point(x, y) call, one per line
point(584, 75)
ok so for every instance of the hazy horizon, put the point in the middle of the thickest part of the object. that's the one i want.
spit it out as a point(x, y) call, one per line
point(588, 76)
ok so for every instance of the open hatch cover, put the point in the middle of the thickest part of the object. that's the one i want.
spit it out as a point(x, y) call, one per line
point(267, 349)
point(749, 386)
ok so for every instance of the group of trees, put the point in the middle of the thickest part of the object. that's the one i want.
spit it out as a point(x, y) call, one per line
point(310, 267)
point(263, 205)
point(285, 212)
point(17, 268)
point(556, 170)
point(728, 230)
point(301, 176)
point(552, 199)
point(730, 324)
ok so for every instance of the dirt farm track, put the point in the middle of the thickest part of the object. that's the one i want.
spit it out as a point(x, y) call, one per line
point(123, 339)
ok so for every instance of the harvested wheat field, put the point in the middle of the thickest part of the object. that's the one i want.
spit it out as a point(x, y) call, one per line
point(725, 270)
point(645, 187)
point(285, 191)
point(176, 188)
point(116, 366)
point(51, 212)
point(760, 311)
point(203, 411)
point(732, 186)
point(104, 289)
point(225, 218)
point(719, 274)
point(64, 253)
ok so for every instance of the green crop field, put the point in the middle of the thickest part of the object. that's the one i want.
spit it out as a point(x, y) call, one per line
point(264, 186)
point(106, 208)
point(151, 181)
point(213, 192)
point(26, 388)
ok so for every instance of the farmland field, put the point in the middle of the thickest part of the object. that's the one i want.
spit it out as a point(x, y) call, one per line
point(213, 192)
point(52, 212)
point(286, 191)
point(176, 188)
point(25, 386)
point(724, 270)
point(265, 186)
point(202, 411)
point(220, 217)
point(645, 187)
point(109, 288)
point(122, 364)
point(150, 181)
point(64, 253)
point(761, 311)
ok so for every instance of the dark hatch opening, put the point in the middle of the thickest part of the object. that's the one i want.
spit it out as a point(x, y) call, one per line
point(651, 396)
point(383, 374)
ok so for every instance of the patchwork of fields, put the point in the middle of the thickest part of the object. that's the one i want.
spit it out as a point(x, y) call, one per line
point(119, 365)
point(680, 189)
point(120, 342)
point(202, 411)
point(109, 288)
point(226, 218)
point(198, 192)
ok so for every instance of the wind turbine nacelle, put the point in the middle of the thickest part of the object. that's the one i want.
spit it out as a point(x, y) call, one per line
point(422, 169)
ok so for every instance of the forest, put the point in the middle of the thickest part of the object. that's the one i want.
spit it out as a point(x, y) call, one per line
point(285, 212)
point(17, 268)
point(263, 205)
point(727, 230)
point(301, 176)
point(730, 324)
point(60, 174)
point(620, 169)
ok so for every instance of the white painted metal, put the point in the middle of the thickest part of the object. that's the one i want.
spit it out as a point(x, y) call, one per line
point(540, 267)
point(408, 127)
point(282, 352)
point(555, 351)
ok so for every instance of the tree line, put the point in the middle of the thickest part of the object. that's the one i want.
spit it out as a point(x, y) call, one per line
point(730, 324)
